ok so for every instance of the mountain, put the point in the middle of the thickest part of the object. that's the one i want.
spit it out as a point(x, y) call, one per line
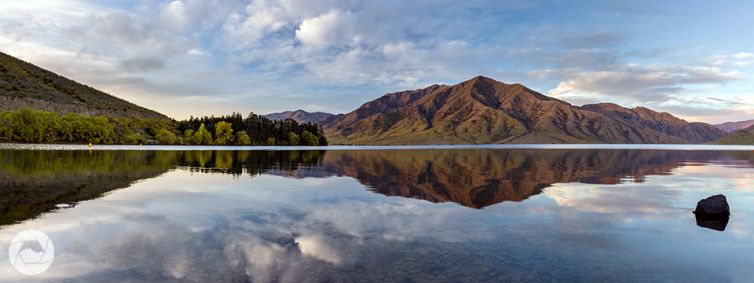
point(732, 126)
point(23, 85)
point(482, 110)
point(300, 116)
point(742, 136)
point(661, 122)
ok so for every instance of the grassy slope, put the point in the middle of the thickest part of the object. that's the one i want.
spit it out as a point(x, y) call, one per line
point(744, 136)
point(23, 85)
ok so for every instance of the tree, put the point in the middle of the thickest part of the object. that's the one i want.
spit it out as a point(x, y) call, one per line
point(188, 136)
point(293, 138)
point(6, 131)
point(28, 125)
point(309, 139)
point(164, 136)
point(133, 138)
point(202, 136)
point(223, 133)
point(257, 127)
point(242, 138)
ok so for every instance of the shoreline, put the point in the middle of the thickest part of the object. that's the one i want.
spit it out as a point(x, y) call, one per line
point(25, 146)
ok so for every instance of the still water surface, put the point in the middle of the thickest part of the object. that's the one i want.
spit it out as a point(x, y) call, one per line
point(381, 215)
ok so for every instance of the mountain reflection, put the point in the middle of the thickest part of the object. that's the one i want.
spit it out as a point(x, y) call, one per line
point(479, 178)
point(32, 182)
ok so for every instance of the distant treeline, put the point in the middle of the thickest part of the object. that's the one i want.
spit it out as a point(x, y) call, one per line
point(254, 129)
point(35, 126)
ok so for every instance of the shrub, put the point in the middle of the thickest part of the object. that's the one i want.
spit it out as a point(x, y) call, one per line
point(164, 136)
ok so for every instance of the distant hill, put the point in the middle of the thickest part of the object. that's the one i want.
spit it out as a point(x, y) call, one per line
point(300, 116)
point(742, 136)
point(732, 126)
point(23, 85)
point(662, 122)
point(482, 110)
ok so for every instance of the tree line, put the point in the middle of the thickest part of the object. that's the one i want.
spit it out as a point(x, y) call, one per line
point(34, 126)
point(254, 129)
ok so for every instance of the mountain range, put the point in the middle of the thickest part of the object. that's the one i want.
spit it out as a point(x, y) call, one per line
point(733, 126)
point(23, 85)
point(479, 110)
point(300, 116)
point(483, 110)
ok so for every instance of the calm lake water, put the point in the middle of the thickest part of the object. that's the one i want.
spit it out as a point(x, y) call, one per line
point(425, 214)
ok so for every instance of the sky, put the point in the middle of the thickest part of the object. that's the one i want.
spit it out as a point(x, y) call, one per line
point(694, 59)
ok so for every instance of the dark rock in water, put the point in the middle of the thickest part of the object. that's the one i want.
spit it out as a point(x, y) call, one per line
point(714, 223)
point(713, 213)
point(714, 206)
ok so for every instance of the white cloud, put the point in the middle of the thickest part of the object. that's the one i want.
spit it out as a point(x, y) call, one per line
point(649, 84)
point(257, 20)
point(175, 15)
point(740, 59)
point(329, 52)
point(329, 29)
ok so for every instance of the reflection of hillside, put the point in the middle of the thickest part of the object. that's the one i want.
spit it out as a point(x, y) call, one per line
point(478, 178)
point(32, 182)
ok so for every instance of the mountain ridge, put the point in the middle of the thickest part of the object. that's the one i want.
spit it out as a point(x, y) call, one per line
point(300, 116)
point(483, 110)
point(736, 125)
point(741, 136)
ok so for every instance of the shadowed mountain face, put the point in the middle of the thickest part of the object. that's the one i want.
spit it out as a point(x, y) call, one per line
point(482, 110)
point(23, 85)
point(33, 182)
point(301, 116)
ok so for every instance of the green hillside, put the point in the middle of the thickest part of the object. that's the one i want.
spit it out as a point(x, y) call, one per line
point(743, 136)
point(23, 85)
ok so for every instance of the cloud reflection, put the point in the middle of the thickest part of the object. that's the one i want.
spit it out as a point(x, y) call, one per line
point(214, 224)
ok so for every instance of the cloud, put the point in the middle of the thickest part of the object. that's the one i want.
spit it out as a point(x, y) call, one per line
point(646, 84)
point(141, 64)
point(175, 15)
point(340, 53)
point(600, 39)
point(329, 29)
point(257, 20)
point(740, 59)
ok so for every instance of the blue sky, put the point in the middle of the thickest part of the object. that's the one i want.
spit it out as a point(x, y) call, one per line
point(694, 59)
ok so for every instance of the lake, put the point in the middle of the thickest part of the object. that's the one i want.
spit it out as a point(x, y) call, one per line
point(380, 214)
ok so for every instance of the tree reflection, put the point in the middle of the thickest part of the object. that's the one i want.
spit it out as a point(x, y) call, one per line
point(32, 182)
